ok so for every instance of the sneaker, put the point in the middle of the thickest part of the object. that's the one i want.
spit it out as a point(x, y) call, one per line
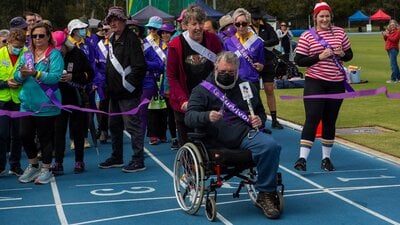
point(72, 145)
point(163, 140)
point(3, 173)
point(44, 176)
point(16, 170)
point(327, 165)
point(111, 163)
point(133, 167)
point(300, 164)
point(79, 167)
point(103, 137)
point(87, 144)
point(153, 141)
point(276, 125)
point(175, 144)
point(268, 203)
point(391, 81)
point(30, 174)
point(57, 168)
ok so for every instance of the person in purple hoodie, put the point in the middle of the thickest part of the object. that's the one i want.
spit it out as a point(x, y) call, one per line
point(155, 59)
point(248, 46)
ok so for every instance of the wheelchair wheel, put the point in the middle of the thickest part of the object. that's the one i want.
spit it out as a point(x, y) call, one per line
point(281, 201)
point(251, 189)
point(211, 209)
point(189, 178)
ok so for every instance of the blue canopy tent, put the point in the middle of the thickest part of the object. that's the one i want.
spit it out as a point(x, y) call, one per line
point(357, 16)
point(209, 10)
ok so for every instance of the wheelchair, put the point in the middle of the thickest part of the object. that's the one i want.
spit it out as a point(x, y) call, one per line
point(194, 165)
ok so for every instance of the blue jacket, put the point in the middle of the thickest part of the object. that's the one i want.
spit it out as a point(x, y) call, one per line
point(155, 66)
point(32, 95)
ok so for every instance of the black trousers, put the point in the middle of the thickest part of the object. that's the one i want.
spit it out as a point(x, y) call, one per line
point(43, 126)
point(323, 109)
point(9, 137)
point(76, 121)
point(157, 123)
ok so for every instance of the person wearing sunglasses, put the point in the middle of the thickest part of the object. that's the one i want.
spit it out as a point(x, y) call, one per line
point(285, 40)
point(249, 47)
point(39, 73)
point(3, 37)
point(10, 56)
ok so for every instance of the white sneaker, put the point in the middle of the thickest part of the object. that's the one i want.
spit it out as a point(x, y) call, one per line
point(44, 176)
point(87, 144)
point(391, 81)
point(72, 144)
point(30, 174)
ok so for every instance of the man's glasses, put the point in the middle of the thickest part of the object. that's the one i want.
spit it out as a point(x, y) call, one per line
point(243, 24)
point(40, 36)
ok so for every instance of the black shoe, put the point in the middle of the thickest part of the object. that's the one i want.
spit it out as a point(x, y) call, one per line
point(175, 144)
point(267, 201)
point(133, 167)
point(16, 170)
point(111, 163)
point(300, 164)
point(276, 125)
point(327, 165)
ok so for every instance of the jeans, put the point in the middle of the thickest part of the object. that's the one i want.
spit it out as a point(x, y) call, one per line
point(392, 53)
point(9, 136)
point(265, 151)
point(131, 123)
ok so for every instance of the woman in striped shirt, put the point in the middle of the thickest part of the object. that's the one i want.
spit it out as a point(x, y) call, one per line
point(322, 49)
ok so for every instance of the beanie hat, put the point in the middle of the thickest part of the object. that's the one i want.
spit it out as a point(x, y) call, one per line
point(59, 38)
point(321, 6)
point(18, 23)
point(154, 21)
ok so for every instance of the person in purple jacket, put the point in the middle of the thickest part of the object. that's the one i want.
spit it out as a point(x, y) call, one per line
point(155, 59)
point(247, 46)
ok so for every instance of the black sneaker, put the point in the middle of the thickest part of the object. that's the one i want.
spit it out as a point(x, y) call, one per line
point(300, 164)
point(327, 165)
point(111, 163)
point(17, 171)
point(133, 167)
point(267, 201)
point(276, 125)
point(175, 144)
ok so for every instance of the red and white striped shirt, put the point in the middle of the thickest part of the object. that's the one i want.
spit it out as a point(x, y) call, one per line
point(325, 69)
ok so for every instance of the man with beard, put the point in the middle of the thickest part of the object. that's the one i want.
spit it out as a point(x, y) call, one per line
point(216, 107)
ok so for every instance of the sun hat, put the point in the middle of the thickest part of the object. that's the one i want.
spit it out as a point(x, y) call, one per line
point(59, 38)
point(18, 23)
point(75, 24)
point(116, 11)
point(321, 6)
point(168, 27)
point(180, 18)
point(154, 21)
point(225, 21)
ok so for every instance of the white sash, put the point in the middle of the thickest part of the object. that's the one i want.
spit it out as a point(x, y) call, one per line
point(156, 48)
point(250, 41)
point(203, 51)
point(103, 49)
point(123, 72)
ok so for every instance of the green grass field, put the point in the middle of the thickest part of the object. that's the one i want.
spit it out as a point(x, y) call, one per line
point(369, 54)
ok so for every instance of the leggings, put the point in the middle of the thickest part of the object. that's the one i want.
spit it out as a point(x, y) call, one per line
point(323, 109)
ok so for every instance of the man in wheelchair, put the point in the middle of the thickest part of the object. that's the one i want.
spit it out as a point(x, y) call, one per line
point(216, 106)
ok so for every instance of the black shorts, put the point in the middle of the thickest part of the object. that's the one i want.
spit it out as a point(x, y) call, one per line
point(268, 73)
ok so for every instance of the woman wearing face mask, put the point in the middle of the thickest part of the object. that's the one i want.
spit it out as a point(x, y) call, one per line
point(9, 90)
point(77, 36)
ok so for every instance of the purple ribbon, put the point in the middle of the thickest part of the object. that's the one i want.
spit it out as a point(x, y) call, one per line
point(355, 94)
point(225, 101)
point(325, 44)
point(16, 114)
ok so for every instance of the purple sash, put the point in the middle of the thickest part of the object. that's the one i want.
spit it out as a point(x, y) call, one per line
point(325, 44)
point(244, 52)
point(225, 101)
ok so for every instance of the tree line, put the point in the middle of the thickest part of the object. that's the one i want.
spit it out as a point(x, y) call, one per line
point(60, 12)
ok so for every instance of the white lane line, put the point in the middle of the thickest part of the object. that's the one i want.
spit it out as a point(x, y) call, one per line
point(16, 189)
point(4, 199)
point(347, 179)
point(117, 183)
point(58, 203)
point(328, 191)
point(166, 169)
point(350, 171)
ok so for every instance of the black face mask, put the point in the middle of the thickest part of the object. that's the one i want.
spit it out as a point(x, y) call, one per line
point(225, 79)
